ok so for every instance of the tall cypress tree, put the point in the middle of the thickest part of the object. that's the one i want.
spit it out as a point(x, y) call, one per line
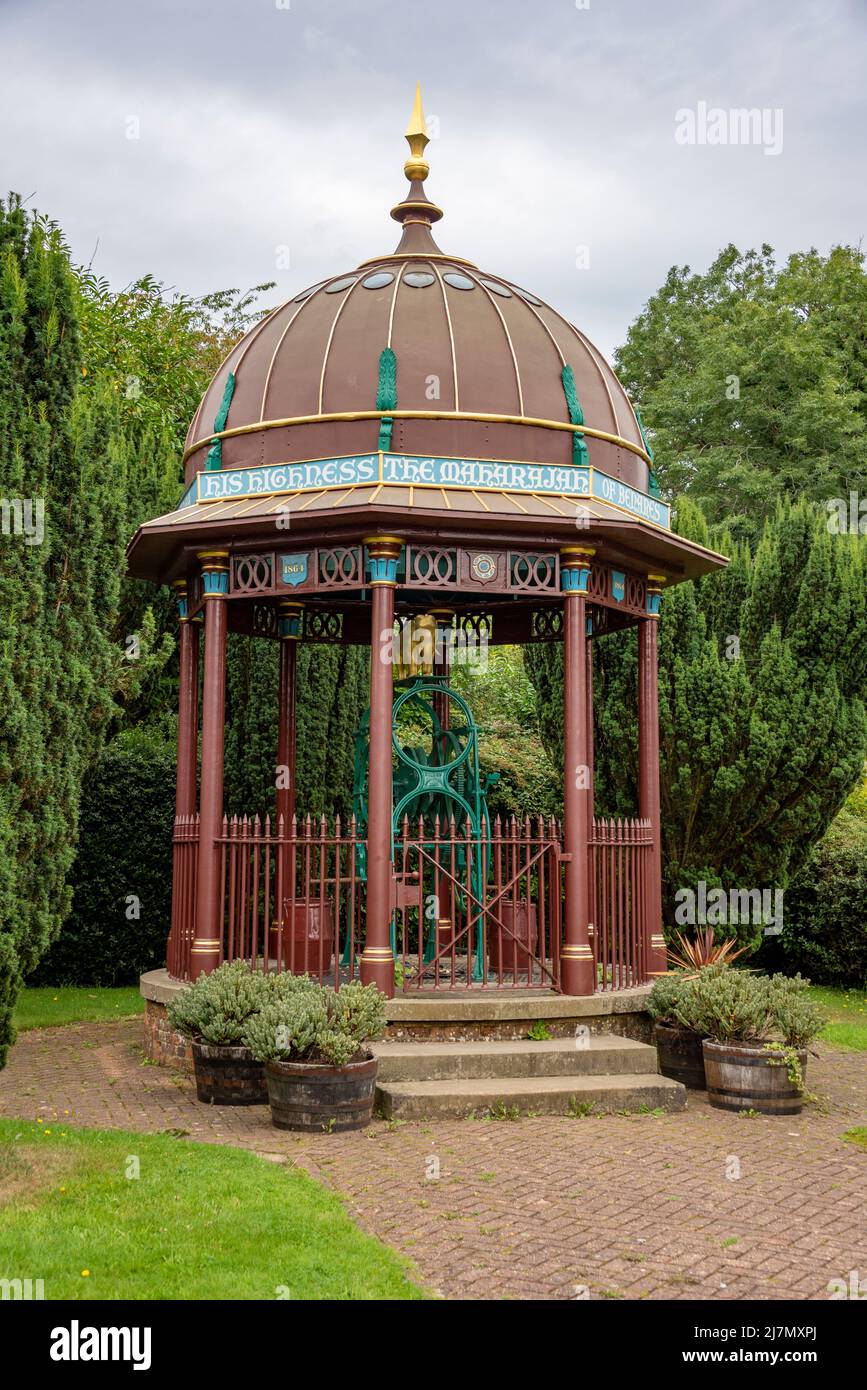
point(63, 470)
point(332, 692)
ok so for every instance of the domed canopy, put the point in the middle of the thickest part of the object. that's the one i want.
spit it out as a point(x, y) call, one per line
point(478, 367)
point(418, 394)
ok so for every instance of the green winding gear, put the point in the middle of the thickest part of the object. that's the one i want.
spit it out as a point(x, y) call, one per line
point(652, 482)
point(386, 395)
point(576, 416)
point(215, 453)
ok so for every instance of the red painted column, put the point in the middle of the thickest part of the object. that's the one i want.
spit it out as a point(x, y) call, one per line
point(588, 706)
point(290, 627)
point(290, 633)
point(377, 960)
point(648, 771)
point(591, 788)
point(188, 705)
point(576, 954)
point(207, 942)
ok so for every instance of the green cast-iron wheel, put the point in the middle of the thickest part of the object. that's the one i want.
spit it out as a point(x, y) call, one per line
point(435, 775)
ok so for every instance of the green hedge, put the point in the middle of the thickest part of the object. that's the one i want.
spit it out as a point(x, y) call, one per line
point(124, 853)
point(824, 932)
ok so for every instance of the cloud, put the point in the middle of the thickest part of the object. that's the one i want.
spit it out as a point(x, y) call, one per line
point(262, 127)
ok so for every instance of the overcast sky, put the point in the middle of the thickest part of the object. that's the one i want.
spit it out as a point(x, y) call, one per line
point(267, 124)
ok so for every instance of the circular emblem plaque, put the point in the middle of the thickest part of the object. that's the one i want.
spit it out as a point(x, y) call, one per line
point(483, 568)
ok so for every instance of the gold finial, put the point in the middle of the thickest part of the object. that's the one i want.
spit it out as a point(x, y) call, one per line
point(417, 138)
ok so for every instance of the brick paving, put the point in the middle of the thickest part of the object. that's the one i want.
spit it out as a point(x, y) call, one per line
point(640, 1206)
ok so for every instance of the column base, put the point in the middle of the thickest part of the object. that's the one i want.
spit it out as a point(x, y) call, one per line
point(577, 974)
point(204, 957)
point(657, 963)
point(376, 967)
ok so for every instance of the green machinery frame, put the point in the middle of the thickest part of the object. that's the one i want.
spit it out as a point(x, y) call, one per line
point(439, 778)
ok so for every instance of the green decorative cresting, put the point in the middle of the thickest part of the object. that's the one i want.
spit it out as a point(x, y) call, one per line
point(386, 395)
point(652, 482)
point(576, 416)
point(215, 453)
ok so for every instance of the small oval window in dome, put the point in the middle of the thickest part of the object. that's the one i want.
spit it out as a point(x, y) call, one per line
point(305, 294)
point(337, 285)
point(497, 288)
point(458, 282)
point(418, 279)
point(530, 298)
point(376, 282)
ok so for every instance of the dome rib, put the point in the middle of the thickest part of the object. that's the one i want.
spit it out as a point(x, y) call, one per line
point(441, 283)
point(580, 376)
point(279, 344)
point(499, 313)
point(397, 282)
point(192, 433)
point(539, 319)
point(603, 376)
point(342, 305)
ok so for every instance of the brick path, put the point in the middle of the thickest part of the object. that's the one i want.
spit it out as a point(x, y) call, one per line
point(626, 1207)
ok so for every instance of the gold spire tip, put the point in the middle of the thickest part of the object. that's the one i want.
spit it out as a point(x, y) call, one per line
point(417, 138)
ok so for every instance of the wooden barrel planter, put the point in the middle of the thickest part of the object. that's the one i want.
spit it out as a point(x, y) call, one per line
point(312, 922)
point(680, 1055)
point(228, 1076)
point(504, 950)
point(313, 1097)
point(741, 1077)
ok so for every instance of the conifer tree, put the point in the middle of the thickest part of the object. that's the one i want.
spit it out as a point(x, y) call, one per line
point(763, 733)
point(331, 695)
point(63, 479)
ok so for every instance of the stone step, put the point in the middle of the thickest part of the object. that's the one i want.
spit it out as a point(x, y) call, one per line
point(598, 1054)
point(537, 1095)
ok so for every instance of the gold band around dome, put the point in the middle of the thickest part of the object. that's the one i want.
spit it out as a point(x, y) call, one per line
point(486, 419)
point(420, 256)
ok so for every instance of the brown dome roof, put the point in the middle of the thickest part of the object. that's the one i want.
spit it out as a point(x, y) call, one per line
point(468, 344)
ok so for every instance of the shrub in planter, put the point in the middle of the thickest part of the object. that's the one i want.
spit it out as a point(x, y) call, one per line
point(755, 1032)
point(213, 1013)
point(312, 1040)
point(678, 1049)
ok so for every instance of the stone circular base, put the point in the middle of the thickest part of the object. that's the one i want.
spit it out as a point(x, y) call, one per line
point(161, 1043)
point(472, 1016)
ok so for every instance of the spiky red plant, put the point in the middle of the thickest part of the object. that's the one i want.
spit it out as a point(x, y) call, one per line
point(703, 950)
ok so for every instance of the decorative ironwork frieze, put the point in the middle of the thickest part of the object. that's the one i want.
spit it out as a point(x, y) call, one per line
point(340, 568)
point(533, 573)
point(479, 626)
point(323, 625)
point(252, 573)
point(430, 567)
point(265, 620)
point(546, 624)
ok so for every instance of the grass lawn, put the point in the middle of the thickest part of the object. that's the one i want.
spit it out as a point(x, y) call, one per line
point(200, 1222)
point(848, 1011)
point(45, 1007)
point(857, 1136)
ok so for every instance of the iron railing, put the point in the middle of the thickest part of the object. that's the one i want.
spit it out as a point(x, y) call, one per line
point(474, 912)
point(620, 868)
point(469, 911)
